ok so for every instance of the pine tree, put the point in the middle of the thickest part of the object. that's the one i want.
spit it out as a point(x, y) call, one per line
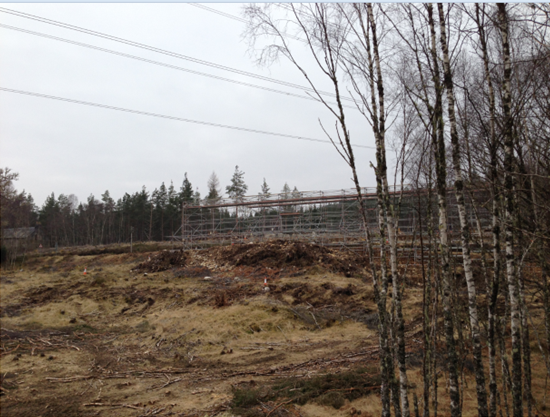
point(285, 191)
point(160, 201)
point(264, 194)
point(238, 188)
point(17, 209)
point(285, 195)
point(108, 216)
point(186, 191)
point(296, 195)
point(108, 202)
point(197, 197)
point(173, 208)
point(161, 197)
point(49, 219)
point(214, 193)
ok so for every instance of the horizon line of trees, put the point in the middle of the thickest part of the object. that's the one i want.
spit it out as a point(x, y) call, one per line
point(141, 216)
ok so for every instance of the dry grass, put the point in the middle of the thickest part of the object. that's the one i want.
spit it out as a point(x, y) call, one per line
point(174, 342)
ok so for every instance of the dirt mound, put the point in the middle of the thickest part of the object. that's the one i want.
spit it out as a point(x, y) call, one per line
point(192, 272)
point(281, 253)
point(275, 254)
point(167, 259)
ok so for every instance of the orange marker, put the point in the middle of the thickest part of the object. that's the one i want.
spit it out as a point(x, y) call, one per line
point(84, 271)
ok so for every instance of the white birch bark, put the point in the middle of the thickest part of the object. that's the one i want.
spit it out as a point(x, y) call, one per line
point(464, 224)
point(388, 215)
point(509, 217)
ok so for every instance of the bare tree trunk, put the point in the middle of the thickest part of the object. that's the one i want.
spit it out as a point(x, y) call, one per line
point(329, 64)
point(491, 291)
point(387, 212)
point(464, 225)
point(151, 223)
point(441, 173)
point(415, 402)
point(510, 215)
point(546, 303)
point(426, 301)
point(434, 270)
point(526, 349)
point(505, 369)
point(380, 295)
point(540, 225)
point(493, 286)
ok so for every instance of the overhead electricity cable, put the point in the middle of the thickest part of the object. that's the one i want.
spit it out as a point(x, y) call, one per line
point(239, 19)
point(165, 52)
point(212, 10)
point(164, 116)
point(150, 61)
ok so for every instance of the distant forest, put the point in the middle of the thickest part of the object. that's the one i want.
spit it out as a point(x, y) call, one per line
point(141, 216)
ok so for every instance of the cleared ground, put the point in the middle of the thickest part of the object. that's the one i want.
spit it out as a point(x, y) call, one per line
point(196, 333)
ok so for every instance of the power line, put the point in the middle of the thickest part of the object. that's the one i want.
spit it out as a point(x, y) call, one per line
point(150, 61)
point(164, 52)
point(163, 116)
point(239, 19)
point(210, 9)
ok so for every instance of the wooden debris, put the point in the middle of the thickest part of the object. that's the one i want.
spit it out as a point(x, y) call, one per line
point(112, 405)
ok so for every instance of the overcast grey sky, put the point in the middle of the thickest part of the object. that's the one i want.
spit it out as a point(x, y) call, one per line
point(73, 149)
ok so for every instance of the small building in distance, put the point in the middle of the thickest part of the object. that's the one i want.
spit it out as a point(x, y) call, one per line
point(20, 234)
point(18, 241)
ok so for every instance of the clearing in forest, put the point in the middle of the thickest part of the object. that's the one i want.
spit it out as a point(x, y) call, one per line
point(195, 333)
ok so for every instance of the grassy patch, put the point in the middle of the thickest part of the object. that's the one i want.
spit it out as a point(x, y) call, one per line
point(98, 282)
point(328, 390)
point(143, 327)
point(84, 328)
point(317, 318)
point(46, 407)
point(31, 325)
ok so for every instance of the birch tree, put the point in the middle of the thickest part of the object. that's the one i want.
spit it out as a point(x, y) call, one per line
point(420, 39)
point(464, 225)
point(326, 41)
point(510, 213)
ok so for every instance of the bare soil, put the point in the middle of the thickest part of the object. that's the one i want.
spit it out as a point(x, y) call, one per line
point(195, 333)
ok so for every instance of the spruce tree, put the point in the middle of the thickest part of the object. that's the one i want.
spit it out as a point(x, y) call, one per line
point(237, 190)
point(213, 196)
point(173, 208)
point(295, 195)
point(264, 194)
point(285, 191)
point(160, 201)
point(186, 191)
point(197, 197)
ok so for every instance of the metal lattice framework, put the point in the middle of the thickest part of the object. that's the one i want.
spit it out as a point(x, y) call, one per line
point(323, 217)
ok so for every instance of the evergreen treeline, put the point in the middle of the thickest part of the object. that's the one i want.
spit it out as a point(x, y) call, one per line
point(141, 216)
